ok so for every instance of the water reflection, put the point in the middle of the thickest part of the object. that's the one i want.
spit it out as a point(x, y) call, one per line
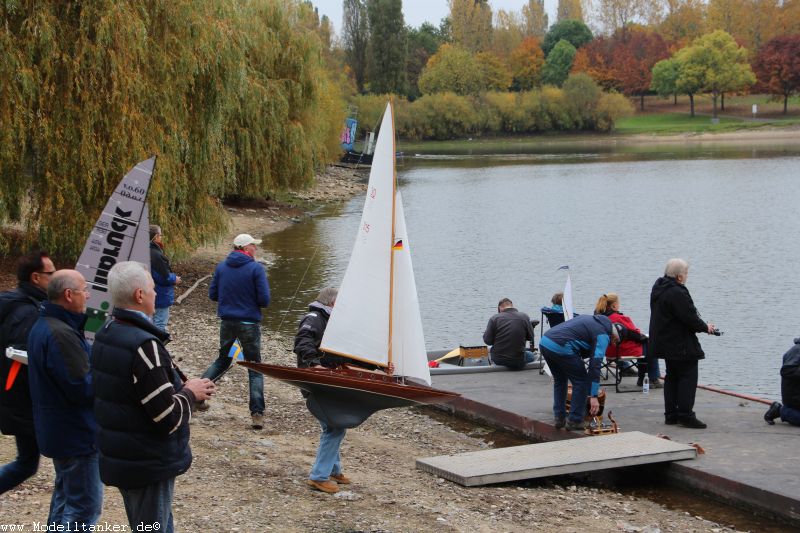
point(482, 228)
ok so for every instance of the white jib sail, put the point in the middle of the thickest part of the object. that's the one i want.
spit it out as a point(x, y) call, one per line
point(408, 343)
point(569, 308)
point(120, 234)
point(359, 325)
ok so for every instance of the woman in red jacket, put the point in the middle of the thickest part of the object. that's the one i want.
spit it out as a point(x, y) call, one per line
point(633, 342)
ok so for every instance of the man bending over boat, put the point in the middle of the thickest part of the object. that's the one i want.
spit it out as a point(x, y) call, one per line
point(789, 411)
point(506, 333)
point(564, 347)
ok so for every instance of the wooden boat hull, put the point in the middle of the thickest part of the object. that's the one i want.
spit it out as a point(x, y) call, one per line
point(346, 396)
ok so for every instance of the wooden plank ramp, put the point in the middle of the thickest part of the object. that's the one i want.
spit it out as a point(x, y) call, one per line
point(570, 456)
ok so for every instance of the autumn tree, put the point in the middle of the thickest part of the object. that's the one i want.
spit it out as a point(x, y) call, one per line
point(597, 60)
point(634, 54)
point(525, 63)
point(355, 39)
point(507, 34)
point(778, 67)
point(535, 18)
point(573, 31)
point(388, 47)
point(684, 21)
point(713, 63)
point(569, 10)
point(615, 15)
point(451, 69)
point(495, 75)
point(471, 22)
point(583, 96)
point(558, 63)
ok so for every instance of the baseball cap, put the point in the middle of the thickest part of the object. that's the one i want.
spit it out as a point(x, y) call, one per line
point(244, 239)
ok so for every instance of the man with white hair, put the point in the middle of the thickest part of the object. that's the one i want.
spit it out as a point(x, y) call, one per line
point(241, 289)
point(674, 324)
point(62, 396)
point(142, 406)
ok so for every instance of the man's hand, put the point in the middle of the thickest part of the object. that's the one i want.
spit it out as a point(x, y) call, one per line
point(390, 369)
point(594, 406)
point(202, 388)
point(711, 328)
point(177, 280)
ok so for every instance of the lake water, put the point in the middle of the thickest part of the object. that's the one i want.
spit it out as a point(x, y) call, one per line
point(485, 226)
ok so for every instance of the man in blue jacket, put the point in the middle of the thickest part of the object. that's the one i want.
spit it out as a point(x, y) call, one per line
point(163, 276)
point(241, 289)
point(564, 347)
point(63, 396)
point(789, 410)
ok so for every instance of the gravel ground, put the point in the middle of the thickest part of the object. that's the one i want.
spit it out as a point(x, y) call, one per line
point(248, 480)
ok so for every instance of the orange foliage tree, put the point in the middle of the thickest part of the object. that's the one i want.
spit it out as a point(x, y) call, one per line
point(525, 63)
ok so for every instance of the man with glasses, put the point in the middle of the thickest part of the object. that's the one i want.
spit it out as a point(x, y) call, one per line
point(63, 398)
point(241, 289)
point(19, 309)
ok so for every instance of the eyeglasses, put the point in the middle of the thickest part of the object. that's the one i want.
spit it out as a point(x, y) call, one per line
point(47, 273)
point(84, 290)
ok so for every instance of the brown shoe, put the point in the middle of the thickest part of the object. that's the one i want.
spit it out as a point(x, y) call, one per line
point(325, 486)
point(258, 420)
point(341, 479)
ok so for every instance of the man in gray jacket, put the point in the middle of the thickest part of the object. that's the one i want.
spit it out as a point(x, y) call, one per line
point(506, 333)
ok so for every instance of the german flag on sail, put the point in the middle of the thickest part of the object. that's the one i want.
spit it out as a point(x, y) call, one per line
point(398, 245)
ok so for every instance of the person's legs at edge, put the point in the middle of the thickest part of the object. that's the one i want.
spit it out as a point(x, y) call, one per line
point(150, 505)
point(327, 460)
point(559, 386)
point(250, 338)
point(790, 415)
point(671, 380)
point(24, 466)
point(576, 372)
point(227, 335)
point(161, 317)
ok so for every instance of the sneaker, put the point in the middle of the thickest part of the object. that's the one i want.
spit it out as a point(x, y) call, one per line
point(341, 479)
point(559, 423)
point(575, 426)
point(656, 384)
point(670, 420)
point(202, 405)
point(772, 413)
point(258, 420)
point(325, 486)
point(691, 422)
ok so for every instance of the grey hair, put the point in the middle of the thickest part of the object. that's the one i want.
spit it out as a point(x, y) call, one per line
point(123, 280)
point(59, 282)
point(327, 296)
point(676, 267)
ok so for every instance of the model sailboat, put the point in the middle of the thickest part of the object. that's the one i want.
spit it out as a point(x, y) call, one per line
point(376, 319)
point(121, 233)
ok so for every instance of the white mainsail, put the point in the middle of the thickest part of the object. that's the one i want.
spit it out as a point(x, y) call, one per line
point(376, 317)
point(120, 234)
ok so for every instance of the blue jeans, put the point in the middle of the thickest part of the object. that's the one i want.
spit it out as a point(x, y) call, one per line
point(24, 466)
point(161, 317)
point(249, 336)
point(568, 368)
point(529, 358)
point(790, 415)
point(150, 505)
point(78, 492)
point(328, 461)
point(650, 365)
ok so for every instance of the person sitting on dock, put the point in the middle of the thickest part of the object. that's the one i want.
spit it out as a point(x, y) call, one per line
point(507, 333)
point(564, 348)
point(633, 342)
point(555, 312)
point(789, 410)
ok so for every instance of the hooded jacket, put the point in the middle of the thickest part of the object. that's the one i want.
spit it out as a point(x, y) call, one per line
point(309, 338)
point(163, 276)
point(19, 310)
point(790, 377)
point(240, 287)
point(674, 322)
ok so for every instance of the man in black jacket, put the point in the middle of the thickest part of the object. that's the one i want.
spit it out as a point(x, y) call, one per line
point(789, 411)
point(142, 407)
point(19, 309)
point(674, 323)
point(506, 333)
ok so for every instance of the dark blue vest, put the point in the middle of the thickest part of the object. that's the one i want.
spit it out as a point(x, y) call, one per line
point(132, 452)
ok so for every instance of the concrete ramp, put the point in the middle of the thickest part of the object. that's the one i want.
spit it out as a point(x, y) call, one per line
point(555, 458)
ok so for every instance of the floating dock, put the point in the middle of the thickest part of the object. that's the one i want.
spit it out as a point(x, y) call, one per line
point(747, 463)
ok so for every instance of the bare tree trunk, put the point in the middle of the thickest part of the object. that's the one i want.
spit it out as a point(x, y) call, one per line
point(785, 102)
point(714, 97)
point(722, 107)
point(641, 102)
point(675, 99)
point(691, 103)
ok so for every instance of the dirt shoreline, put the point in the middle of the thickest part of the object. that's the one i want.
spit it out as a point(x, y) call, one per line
point(250, 481)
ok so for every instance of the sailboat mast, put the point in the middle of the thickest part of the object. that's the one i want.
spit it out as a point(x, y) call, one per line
point(391, 243)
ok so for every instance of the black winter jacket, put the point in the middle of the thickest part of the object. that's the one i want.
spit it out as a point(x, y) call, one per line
point(19, 310)
point(790, 377)
point(309, 337)
point(507, 332)
point(674, 322)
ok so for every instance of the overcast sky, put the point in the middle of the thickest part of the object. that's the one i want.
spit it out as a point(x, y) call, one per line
point(416, 12)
